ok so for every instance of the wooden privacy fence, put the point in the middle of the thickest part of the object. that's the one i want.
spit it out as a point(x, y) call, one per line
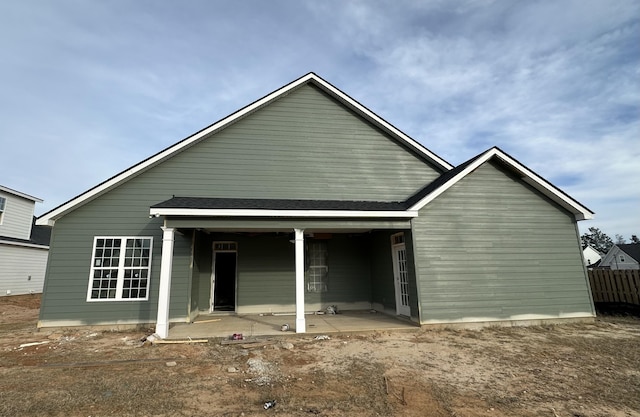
point(615, 286)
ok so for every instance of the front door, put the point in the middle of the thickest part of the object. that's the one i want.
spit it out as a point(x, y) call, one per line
point(223, 281)
point(400, 274)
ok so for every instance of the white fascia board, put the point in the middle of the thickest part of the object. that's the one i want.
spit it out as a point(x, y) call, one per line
point(579, 211)
point(279, 213)
point(19, 194)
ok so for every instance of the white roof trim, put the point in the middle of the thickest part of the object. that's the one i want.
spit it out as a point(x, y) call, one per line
point(580, 212)
point(19, 194)
point(156, 212)
point(50, 217)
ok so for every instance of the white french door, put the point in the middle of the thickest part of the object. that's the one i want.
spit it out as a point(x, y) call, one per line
point(400, 274)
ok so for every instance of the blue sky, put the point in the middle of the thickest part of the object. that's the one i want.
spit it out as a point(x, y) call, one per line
point(90, 88)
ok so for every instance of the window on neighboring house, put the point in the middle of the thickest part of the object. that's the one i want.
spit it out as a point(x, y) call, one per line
point(3, 204)
point(621, 258)
point(120, 268)
point(317, 266)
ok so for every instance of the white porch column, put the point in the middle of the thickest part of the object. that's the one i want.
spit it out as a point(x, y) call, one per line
point(162, 323)
point(301, 326)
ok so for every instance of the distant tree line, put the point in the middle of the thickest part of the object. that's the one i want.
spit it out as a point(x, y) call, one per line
point(599, 240)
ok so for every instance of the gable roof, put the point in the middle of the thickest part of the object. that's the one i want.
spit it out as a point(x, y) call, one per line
point(310, 78)
point(631, 249)
point(448, 179)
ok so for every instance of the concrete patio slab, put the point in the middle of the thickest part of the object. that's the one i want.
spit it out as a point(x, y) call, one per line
point(223, 326)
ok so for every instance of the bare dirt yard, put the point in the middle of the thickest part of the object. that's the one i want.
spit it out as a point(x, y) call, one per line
point(572, 370)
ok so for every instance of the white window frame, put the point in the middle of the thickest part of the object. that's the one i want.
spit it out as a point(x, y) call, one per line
point(97, 264)
point(317, 270)
point(3, 207)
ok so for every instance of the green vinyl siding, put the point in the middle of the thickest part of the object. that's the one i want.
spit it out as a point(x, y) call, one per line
point(349, 275)
point(491, 248)
point(202, 263)
point(266, 272)
point(302, 146)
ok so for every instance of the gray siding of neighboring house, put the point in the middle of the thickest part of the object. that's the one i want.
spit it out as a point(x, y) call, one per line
point(304, 145)
point(17, 217)
point(613, 260)
point(490, 248)
point(21, 269)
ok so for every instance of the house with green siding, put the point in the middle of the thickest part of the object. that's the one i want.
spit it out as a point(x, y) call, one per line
point(305, 199)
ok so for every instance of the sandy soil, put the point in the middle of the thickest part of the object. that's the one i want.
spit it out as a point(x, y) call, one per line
point(573, 370)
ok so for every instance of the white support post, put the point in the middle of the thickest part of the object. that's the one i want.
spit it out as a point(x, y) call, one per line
point(301, 326)
point(164, 295)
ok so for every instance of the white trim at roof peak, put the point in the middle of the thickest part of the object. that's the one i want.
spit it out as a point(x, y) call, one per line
point(579, 211)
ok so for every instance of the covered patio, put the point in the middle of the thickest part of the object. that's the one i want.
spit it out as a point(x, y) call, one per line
point(252, 257)
point(224, 326)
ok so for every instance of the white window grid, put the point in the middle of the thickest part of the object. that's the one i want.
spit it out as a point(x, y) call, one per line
point(317, 269)
point(120, 268)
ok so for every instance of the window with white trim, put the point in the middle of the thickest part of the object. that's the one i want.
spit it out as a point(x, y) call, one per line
point(3, 204)
point(120, 268)
point(317, 270)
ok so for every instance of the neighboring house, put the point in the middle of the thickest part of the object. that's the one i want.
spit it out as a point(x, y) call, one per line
point(590, 256)
point(622, 257)
point(24, 247)
point(306, 199)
